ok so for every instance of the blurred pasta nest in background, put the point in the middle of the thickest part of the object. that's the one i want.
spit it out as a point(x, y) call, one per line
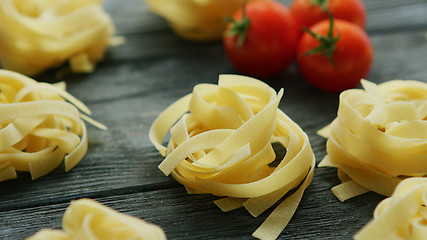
point(39, 34)
point(199, 20)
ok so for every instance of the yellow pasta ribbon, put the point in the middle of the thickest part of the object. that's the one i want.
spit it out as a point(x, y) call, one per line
point(379, 137)
point(88, 219)
point(39, 34)
point(401, 216)
point(40, 126)
point(197, 20)
point(221, 144)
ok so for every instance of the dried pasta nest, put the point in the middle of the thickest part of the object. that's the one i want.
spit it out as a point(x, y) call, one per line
point(88, 219)
point(379, 137)
point(39, 34)
point(198, 20)
point(40, 126)
point(401, 216)
point(223, 146)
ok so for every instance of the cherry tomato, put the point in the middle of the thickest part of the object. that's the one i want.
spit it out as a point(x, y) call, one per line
point(338, 63)
point(309, 12)
point(261, 41)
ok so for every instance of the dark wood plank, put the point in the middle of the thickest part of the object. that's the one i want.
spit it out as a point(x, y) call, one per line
point(184, 216)
point(99, 174)
point(396, 16)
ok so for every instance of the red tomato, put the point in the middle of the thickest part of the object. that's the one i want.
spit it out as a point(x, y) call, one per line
point(352, 55)
point(309, 12)
point(269, 42)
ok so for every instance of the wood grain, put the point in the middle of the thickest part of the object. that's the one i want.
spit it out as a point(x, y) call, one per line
point(154, 68)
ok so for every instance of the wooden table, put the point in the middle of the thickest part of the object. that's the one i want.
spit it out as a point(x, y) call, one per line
point(153, 69)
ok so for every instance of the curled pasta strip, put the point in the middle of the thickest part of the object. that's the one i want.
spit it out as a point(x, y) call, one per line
point(88, 219)
point(40, 126)
point(223, 146)
point(401, 216)
point(199, 20)
point(379, 137)
point(39, 34)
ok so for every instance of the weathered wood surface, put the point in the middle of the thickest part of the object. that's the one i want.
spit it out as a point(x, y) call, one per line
point(154, 68)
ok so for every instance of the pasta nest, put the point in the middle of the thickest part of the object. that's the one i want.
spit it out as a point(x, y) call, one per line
point(199, 20)
point(223, 146)
point(38, 127)
point(379, 137)
point(401, 216)
point(39, 34)
point(88, 219)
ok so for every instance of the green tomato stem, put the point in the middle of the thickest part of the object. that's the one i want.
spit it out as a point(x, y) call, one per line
point(239, 28)
point(327, 43)
point(321, 3)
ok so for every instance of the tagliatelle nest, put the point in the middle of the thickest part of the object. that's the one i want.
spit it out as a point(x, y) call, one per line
point(38, 127)
point(379, 137)
point(223, 146)
point(39, 34)
point(88, 219)
point(401, 216)
point(199, 20)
